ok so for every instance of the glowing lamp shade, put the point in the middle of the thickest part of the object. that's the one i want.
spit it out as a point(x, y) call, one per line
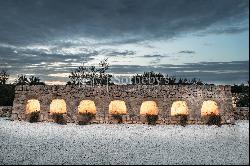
point(149, 108)
point(179, 108)
point(58, 106)
point(87, 106)
point(117, 107)
point(209, 107)
point(32, 106)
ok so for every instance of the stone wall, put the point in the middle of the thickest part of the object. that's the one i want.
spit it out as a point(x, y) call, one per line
point(5, 111)
point(133, 95)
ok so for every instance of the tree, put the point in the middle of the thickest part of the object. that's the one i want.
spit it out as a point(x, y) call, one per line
point(194, 81)
point(92, 75)
point(78, 76)
point(152, 78)
point(171, 80)
point(7, 94)
point(149, 78)
point(4, 76)
point(104, 78)
point(35, 81)
point(241, 94)
point(180, 82)
point(242, 100)
point(32, 80)
point(22, 80)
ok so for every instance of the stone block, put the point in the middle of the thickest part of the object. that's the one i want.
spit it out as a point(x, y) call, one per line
point(133, 95)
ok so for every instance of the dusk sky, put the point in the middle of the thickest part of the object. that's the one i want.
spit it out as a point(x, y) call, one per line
point(207, 39)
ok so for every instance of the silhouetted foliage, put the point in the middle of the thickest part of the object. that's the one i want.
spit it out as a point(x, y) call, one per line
point(151, 119)
point(240, 88)
point(35, 81)
point(214, 119)
point(91, 75)
point(22, 80)
point(117, 117)
point(242, 100)
point(241, 94)
point(4, 76)
point(7, 94)
point(34, 116)
point(152, 78)
point(149, 78)
point(85, 118)
point(32, 80)
point(183, 119)
point(185, 81)
point(59, 118)
point(79, 76)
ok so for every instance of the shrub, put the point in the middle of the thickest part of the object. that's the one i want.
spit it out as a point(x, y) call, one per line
point(117, 117)
point(85, 118)
point(214, 119)
point(151, 119)
point(183, 119)
point(7, 95)
point(58, 118)
point(33, 116)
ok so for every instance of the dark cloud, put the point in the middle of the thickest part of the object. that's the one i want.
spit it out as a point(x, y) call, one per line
point(50, 60)
point(155, 61)
point(211, 72)
point(225, 30)
point(74, 31)
point(22, 57)
point(40, 21)
point(234, 66)
point(154, 56)
point(114, 53)
point(41, 63)
point(187, 52)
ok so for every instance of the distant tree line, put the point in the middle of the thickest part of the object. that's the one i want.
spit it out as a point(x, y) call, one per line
point(21, 79)
point(241, 94)
point(152, 78)
point(32, 80)
point(7, 91)
point(242, 88)
point(4, 76)
point(92, 75)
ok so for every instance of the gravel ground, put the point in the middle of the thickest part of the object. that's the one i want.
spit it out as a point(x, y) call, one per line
point(49, 143)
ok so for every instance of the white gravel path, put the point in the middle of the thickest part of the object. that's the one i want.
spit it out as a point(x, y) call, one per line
point(49, 143)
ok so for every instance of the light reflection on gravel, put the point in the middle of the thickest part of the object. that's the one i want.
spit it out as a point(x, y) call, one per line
point(49, 143)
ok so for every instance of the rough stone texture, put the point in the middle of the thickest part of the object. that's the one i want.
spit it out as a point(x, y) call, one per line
point(5, 111)
point(241, 113)
point(133, 95)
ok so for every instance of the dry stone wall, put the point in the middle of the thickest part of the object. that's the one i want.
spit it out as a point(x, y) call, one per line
point(133, 95)
point(5, 111)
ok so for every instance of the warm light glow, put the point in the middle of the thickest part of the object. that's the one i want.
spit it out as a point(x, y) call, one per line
point(58, 106)
point(234, 101)
point(117, 107)
point(87, 106)
point(149, 107)
point(32, 106)
point(209, 107)
point(179, 108)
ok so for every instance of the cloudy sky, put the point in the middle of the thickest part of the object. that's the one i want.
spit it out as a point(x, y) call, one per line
point(207, 39)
